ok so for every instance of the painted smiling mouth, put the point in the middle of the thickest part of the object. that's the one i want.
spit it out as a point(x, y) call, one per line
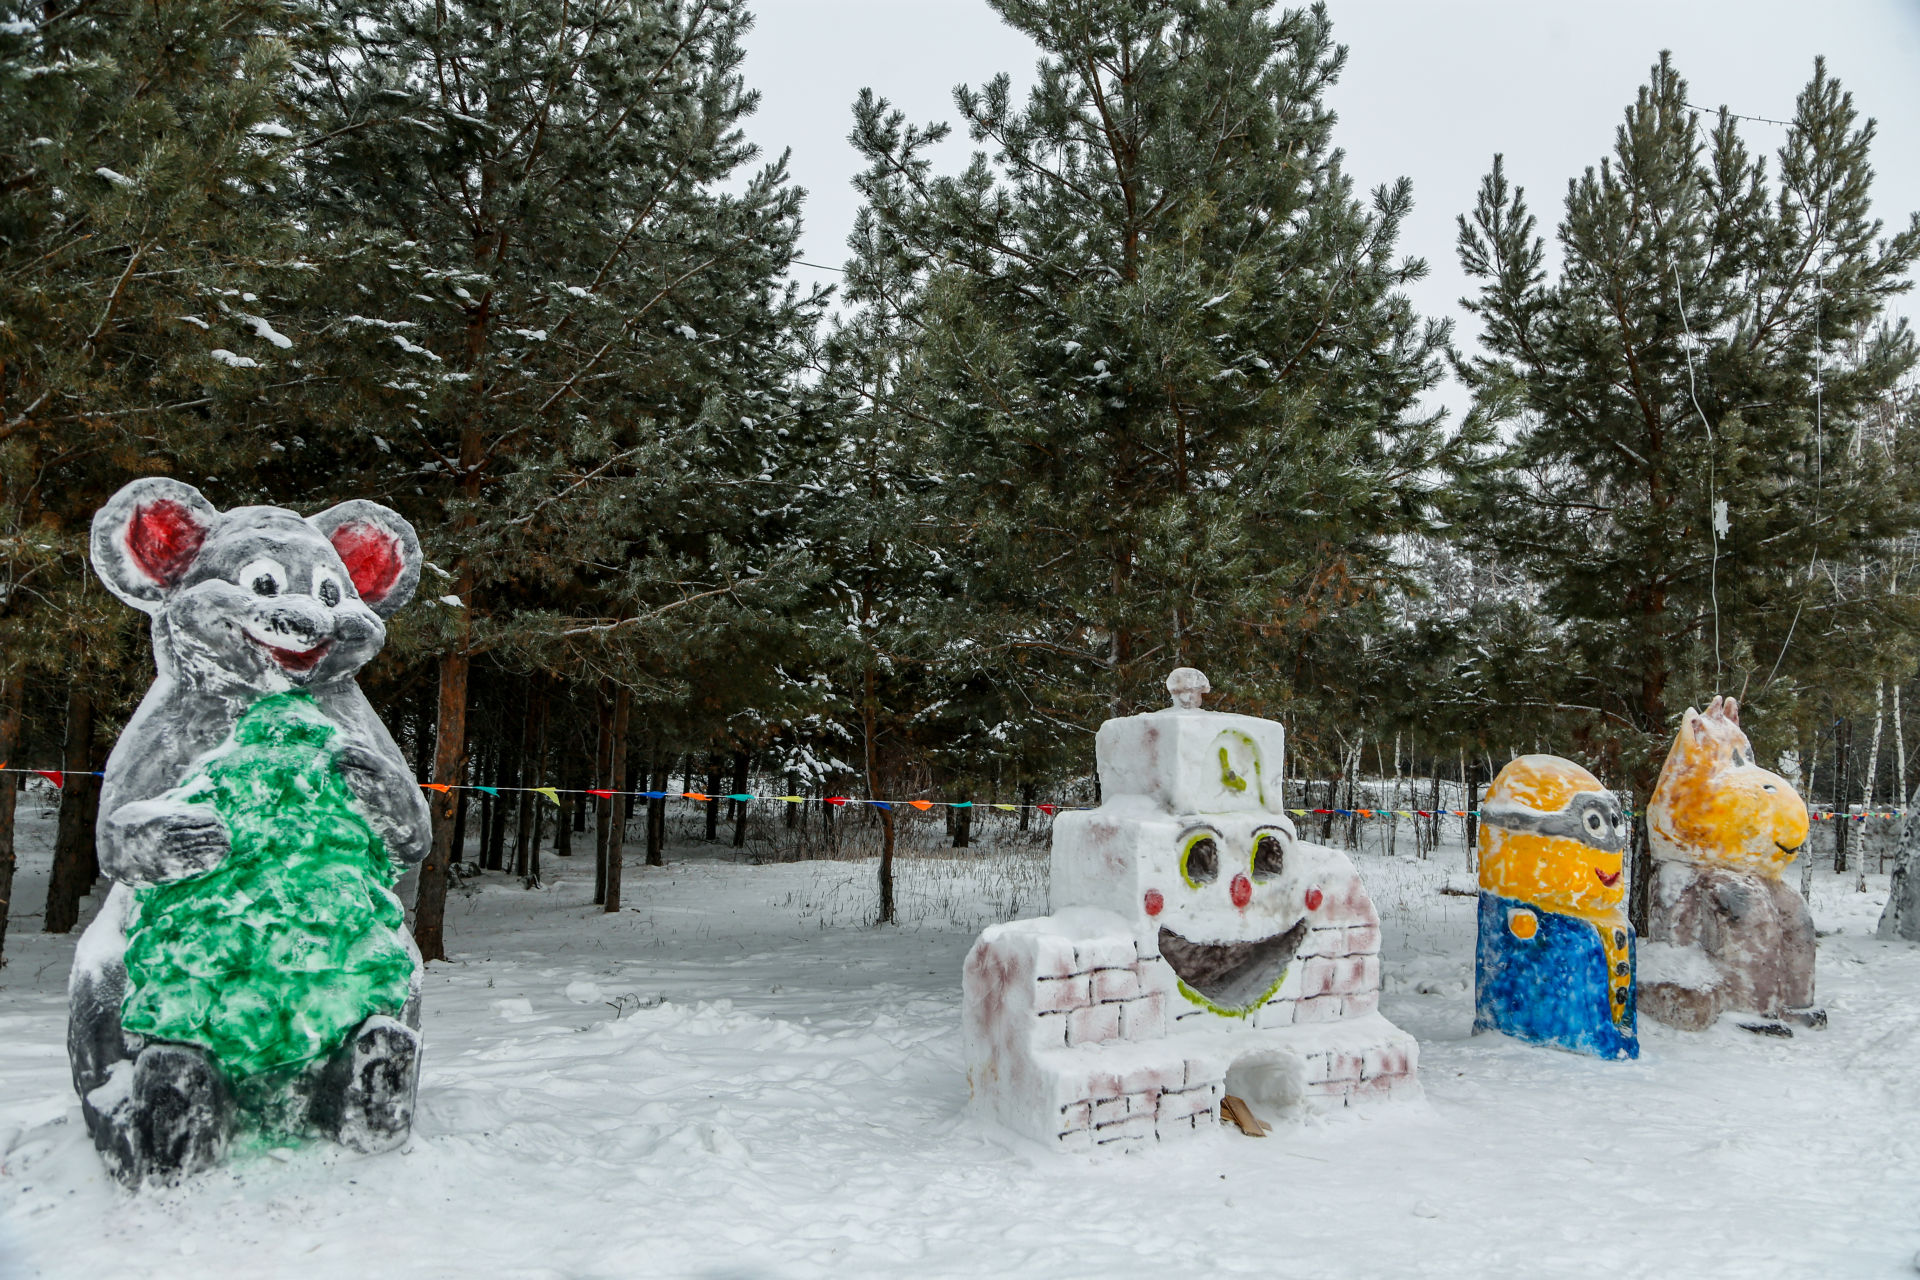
point(298, 660)
point(1605, 879)
point(1233, 976)
point(1788, 848)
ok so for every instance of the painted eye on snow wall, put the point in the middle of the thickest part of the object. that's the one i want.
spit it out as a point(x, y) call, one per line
point(1269, 857)
point(1200, 861)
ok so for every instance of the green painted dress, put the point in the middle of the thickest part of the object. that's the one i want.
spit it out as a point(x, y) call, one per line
point(273, 957)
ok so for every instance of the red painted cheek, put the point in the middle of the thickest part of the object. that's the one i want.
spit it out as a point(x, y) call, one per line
point(1314, 899)
point(1155, 903)
point(1242, 891)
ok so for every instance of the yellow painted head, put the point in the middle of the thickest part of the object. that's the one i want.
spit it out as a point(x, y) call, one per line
point(1551, 835)
point(1714, 806)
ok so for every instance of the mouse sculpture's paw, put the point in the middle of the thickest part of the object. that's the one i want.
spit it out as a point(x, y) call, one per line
point(162, 1117)
point(365, 1098)
point(391, 799)
point(153, 841)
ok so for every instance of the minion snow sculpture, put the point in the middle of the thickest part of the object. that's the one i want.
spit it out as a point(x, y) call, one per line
point(1202, 951)
point(1725, 932)
point(250, 969)
point(1555, 958)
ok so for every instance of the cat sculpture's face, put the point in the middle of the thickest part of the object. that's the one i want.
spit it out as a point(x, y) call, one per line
point(256, 597)
point(1714, 806)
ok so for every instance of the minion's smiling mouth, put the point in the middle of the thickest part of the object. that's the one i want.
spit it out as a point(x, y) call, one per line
point(1232, 976)
point(1605, 879)
point(1788, 848)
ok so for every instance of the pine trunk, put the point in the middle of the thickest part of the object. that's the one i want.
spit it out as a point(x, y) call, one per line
point(742, 764)
point(449, 766)
point(657, 817)
point(11, 696)
point(617, 773)
point(73, 853)
point(713, 805)
point(526, 847)
point(603, 808)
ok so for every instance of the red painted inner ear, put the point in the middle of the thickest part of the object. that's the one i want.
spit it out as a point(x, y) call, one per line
point(372, 557)
point(163, 538)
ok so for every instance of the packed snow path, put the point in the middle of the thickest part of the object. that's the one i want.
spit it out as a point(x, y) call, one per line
point(736, 1078)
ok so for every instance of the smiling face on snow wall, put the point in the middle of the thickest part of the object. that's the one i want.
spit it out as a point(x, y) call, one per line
point(1193, 847)
point(1233, 910)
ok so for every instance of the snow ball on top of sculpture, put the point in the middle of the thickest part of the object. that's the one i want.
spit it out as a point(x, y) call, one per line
point(1554, 961)
point(1727, 934)
point(1200, 950)
point(250, 969)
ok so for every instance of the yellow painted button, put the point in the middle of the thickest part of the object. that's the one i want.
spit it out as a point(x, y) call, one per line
point(1523, 923)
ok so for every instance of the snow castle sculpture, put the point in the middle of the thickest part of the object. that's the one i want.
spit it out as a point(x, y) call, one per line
point(1725, 932)
point(1201, 951)
point(1555, 963)
point(250, 969)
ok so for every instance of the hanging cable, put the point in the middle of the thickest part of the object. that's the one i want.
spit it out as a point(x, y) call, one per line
point(1716, 510)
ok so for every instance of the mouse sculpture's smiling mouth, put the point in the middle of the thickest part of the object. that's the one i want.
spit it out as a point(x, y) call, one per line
point(1233, 977)
point(300, 661)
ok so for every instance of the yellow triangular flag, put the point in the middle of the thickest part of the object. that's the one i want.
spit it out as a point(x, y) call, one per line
point(548, 792)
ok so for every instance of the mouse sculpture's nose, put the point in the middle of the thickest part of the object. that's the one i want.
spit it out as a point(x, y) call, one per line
point(302, 621)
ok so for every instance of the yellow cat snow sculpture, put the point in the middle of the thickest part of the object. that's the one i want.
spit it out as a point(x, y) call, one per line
point(1725, 932)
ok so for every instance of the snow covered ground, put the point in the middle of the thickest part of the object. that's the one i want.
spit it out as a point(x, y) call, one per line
point(737, 1078)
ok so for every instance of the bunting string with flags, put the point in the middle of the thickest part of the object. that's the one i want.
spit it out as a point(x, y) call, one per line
point(552, 794)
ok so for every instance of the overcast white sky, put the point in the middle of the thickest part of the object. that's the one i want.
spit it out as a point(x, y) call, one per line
point(1432, 89)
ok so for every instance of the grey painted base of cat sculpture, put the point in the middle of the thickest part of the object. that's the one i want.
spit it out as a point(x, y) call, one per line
point(1751, 940)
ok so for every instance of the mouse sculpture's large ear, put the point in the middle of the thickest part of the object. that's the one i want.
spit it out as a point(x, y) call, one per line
point(147, 536)
point(378, 547)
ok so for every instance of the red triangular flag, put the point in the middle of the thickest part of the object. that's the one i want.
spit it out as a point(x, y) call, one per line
point(1047, 809)
point(55, 776)
point(604, 795)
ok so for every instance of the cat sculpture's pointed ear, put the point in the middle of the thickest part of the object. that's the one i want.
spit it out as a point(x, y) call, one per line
point(147, 536)
point(378, 548)
point(1696, 735)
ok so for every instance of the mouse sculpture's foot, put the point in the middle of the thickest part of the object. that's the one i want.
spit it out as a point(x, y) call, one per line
point(1812, 1019)
point(365, 1098)
point(165, 1115)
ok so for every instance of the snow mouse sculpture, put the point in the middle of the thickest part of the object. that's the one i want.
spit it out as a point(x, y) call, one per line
point(1554, 964)
point(250, 969)
point(1725, 932)
point(1202, 951)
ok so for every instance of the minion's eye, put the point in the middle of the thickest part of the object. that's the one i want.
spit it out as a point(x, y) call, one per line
point(1269, 857)
point(1200, 863)
point(1595, 823)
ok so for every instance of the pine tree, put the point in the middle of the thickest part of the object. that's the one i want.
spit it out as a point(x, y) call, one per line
point(140, 148)
point(560, 338)
point(1172, 382)
point(1681, 412)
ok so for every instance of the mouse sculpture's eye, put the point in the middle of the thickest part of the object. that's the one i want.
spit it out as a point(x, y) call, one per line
point(1269, 856)
point(264, 577)
point(1200, 860)
point(326, 588)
